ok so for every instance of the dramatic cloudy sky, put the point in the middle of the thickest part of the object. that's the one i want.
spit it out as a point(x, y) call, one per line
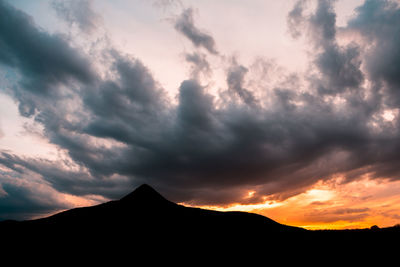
point(285, 108)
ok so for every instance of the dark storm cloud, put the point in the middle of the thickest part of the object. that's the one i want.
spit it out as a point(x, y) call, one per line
point(60, 177)
point(43, 60)
point(340, 69)
point(185, 25)
point(379, 23)
point(121, 130)
point(339, 66)
point(77, 12)
point(22, 202)
point(235, 81)
point(132, 96)
point(23, 196)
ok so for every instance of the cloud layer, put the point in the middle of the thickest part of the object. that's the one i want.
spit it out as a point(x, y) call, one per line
point(185, 25)
point(120, 129)
point(79, 13)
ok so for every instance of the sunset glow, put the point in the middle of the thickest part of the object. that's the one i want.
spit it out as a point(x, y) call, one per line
point(333, 205)
point(289, 109)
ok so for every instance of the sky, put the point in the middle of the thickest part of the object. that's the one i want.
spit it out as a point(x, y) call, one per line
point(289, 109)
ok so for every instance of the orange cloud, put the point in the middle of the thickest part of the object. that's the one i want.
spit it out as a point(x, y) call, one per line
point(334, 205)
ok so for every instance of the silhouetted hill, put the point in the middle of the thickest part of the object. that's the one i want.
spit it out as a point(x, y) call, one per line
point(145, 219)
point(146, 216)
point(144, 195)
point(146, 210)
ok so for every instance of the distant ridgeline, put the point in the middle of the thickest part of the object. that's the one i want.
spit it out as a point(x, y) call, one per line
point(146, 220)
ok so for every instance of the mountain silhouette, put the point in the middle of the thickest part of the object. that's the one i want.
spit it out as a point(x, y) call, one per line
point(145, 214)
point(144, 195)
point(146, 209)
point(145, 220)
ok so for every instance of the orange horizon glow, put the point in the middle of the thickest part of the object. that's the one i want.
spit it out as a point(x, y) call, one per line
point(332, 205)
point(326, 205)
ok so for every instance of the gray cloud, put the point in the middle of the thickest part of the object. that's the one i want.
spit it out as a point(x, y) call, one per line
point(24, 196)
point(1, 130)
point(339, 66)
point(43, 60)
point(340, 69)
point(296, 19)
point(166, 4)
point(79, 13)
point(185, 25)
point(121, 130)
point(21, 202)
point(350, 210)
point(199, 64)
point(77, 182)
point(235, 81)
point(378, 23)
point(323, 22)
point(335, 215)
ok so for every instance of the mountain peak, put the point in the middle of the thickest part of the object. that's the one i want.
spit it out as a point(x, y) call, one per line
point(144, 194)
point(145, 188)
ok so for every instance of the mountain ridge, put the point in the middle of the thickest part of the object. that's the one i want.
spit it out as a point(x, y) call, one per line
point(145, 220)
point(145, 207)
point(144, 193)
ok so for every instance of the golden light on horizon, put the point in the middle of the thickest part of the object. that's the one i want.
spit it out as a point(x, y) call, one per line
point(282, 108)
point(332, 205)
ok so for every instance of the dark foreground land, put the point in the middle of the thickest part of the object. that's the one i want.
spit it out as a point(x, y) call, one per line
point(146, 221)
